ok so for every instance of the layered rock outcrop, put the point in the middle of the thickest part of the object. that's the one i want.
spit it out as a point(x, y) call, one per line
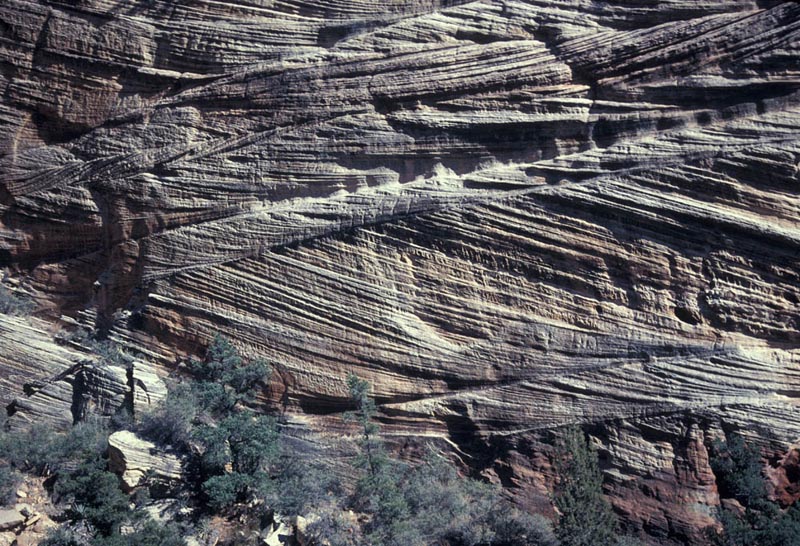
point(137, 460)
point(507, 216)
point(60, 383)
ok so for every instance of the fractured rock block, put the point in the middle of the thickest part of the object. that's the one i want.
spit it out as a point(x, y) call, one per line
point(134, 458)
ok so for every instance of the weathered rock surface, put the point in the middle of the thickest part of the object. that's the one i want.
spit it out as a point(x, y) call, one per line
point(507, 216)
point(44, 381)
point(280, 534)
point(10, 519)
point(28, 356)
point(134, 458)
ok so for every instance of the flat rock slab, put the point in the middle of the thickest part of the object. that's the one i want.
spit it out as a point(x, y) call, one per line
point(9, 519)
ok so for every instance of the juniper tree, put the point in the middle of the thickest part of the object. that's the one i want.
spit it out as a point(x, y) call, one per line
point(378, 491)
point(585, 518)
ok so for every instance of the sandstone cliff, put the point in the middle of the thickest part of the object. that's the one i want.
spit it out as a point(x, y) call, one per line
point(506, 215)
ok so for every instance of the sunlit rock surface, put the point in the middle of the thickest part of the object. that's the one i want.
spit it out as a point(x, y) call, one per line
point(138, 461)
point(506, 215)
point(49, 380)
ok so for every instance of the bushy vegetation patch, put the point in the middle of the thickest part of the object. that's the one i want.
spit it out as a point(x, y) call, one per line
point(94, 506)
point(739, 472)
point(14, 303)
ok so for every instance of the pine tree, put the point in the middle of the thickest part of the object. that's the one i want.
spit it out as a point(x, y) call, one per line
point(378, 490)
point(373, 453)
point(586, 518)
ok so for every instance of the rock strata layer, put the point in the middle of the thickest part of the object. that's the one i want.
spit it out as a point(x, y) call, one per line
point(140, 462)
point(507, 216)
point(60, 383)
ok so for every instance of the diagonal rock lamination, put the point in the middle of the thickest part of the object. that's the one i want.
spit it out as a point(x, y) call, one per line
point(506, 215)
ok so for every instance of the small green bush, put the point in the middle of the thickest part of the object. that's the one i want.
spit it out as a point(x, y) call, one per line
point(246, 443)
point(75, 460)
point(628, 541)
point(146, 533)
point(41, 451)
point(111, 353)
point(94, 495)
point(62, 536)
point(33, 450)
point(237, 448)
point(220, 382)
point(430, 503)
point(172, 422)
point(302, 485)
point(149, 533)
point(14, 304)
point(331, 526)
point(467, 512)
point(9, 482)
point(225, 490)
point(738, 470)
point(224, 379)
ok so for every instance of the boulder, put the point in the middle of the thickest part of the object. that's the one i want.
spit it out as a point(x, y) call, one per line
point(10, 519)
point(133, 458)
point(281, 534)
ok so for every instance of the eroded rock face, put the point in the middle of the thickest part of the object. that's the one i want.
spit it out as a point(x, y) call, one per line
point(136, 460)
point(59, 383)
point(29, 357)
point(507, 216)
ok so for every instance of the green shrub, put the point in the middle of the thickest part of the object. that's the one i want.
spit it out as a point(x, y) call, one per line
point(225, 490)
point(628, 541)
point(9, 482)
point(514, 527)
point(149, 533)
point(94, 495)
point(41, 451)
point(84, 441)
point(223, 379)
point(331, 526)
point(246, 443)
point(430, 503)
point(372, 457)
point(252, 440)
point(302, 485)
point(172, 422)
point(14, 303)
point(76, 461)
point(380, 494)
point(33, 450)
point(467, 512)
point(62, 536)
point(220, 382)
point(203, 413)
point(110, 353)
point(378, 490)
point(738, 470)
